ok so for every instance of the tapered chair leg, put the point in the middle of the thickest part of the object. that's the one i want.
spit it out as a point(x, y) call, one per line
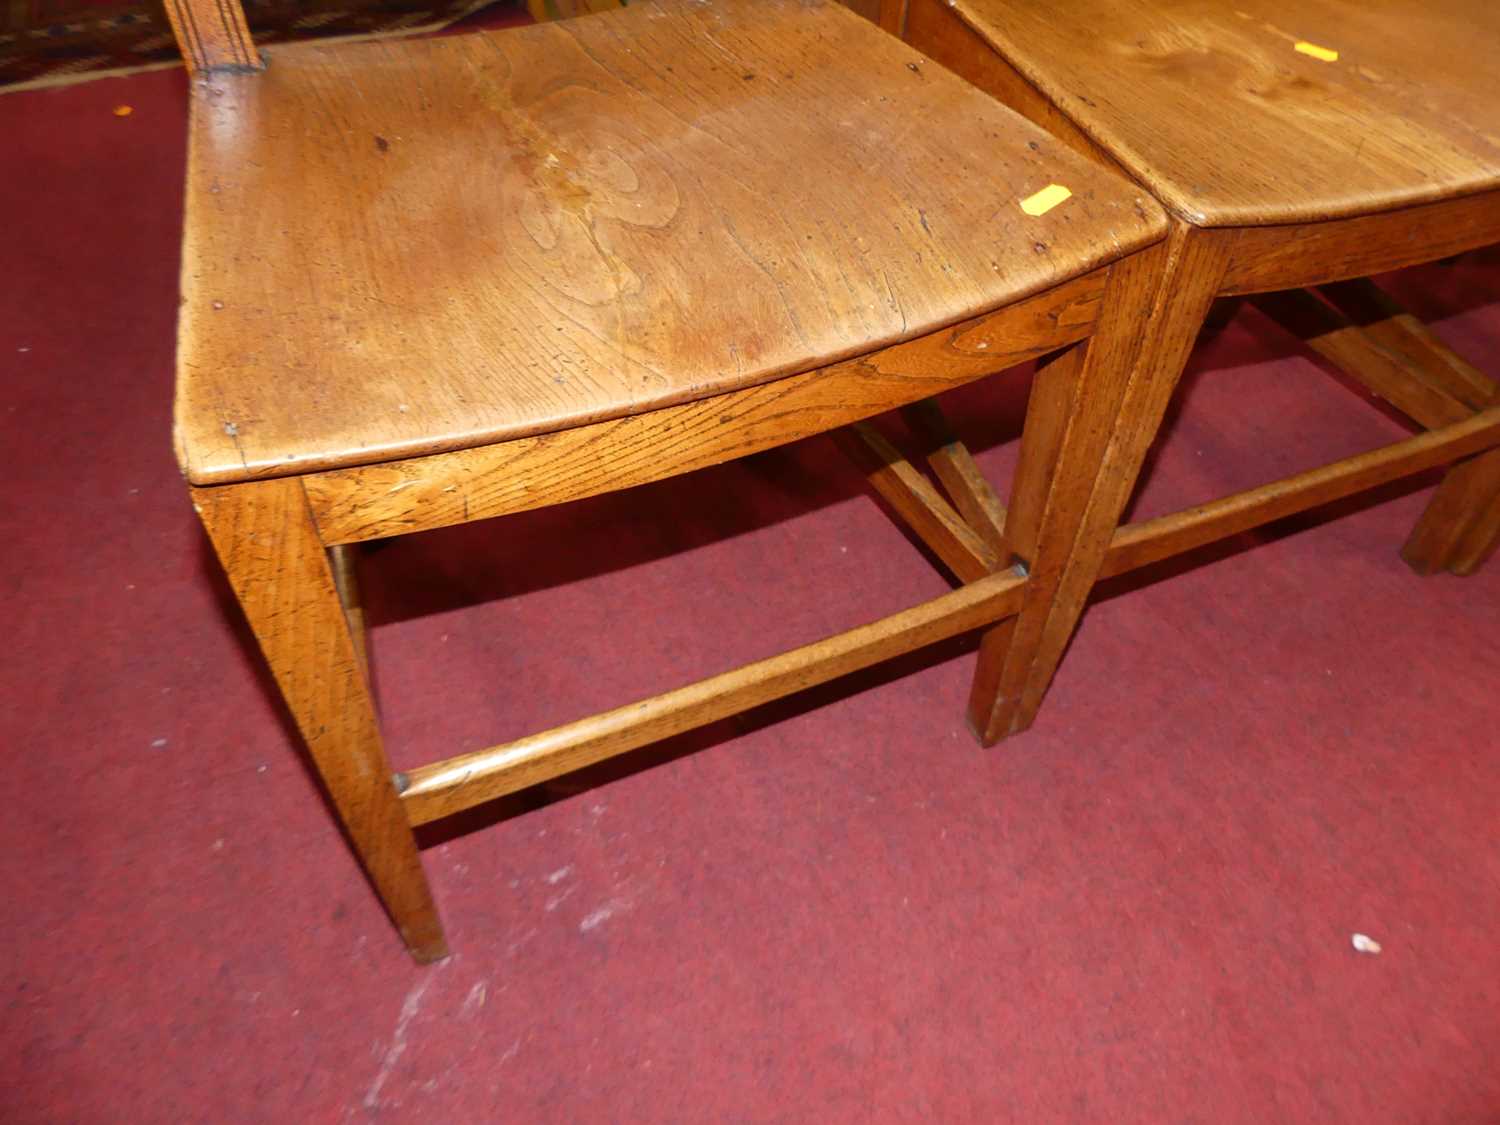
point(343, 562)
point(1054, 397)
point(265, 538)
point(1460, 528)
point(1396, 356)
point(1101, 419)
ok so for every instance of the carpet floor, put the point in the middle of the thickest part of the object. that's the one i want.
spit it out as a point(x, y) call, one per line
point(838, 908)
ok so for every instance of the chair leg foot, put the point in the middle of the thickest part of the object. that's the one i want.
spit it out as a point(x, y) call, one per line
point(993, 715)
point(265, 537)
point(434, 949)
point(1460, 528)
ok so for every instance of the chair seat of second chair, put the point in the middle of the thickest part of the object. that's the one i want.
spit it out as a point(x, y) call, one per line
point(1263, 111)
point(400, 248)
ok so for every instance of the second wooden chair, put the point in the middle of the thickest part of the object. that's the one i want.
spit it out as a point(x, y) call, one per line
point(1307, 144)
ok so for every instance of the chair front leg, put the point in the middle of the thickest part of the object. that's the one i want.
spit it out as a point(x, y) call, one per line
point(265, 537)
point(1094, 416)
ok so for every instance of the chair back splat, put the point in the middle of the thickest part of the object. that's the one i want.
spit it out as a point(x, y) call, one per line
point(213, 36)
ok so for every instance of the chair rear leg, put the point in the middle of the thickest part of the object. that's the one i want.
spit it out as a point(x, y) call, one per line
point(1460, 528)
point(343, 562)
point(1394, 355)
point(268, 544)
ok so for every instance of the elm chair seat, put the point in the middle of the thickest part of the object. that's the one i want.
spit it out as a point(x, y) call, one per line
point(404, 247)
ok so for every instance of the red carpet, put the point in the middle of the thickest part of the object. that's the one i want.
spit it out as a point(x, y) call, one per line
point(839, 909)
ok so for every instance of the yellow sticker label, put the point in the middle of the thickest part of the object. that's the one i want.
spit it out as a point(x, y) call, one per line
point(1323, 54)
point(1046, 199)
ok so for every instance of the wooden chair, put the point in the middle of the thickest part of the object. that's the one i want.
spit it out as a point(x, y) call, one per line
point(1295, 145)
point(432, 281)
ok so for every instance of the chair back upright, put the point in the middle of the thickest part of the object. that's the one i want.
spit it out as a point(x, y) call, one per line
point(213, 35)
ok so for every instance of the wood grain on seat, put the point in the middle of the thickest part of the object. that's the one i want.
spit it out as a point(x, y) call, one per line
point(1211, 105)
point(399, 248)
